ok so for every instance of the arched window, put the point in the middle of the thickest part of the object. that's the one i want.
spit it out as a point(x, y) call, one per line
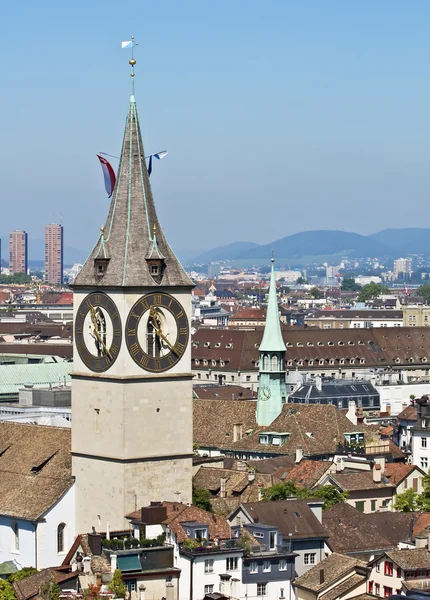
point(15, 529)
point(266, 362)
point(153, 340)
point(274, 362)
point(101, 328)
point(60, 537)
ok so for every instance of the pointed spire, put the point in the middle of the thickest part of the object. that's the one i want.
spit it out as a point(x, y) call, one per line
point(132, 216)
point(272, 338)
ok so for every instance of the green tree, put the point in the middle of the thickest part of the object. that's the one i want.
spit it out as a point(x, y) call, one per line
point(282, 491)
point(6, 590)
point(17, 278)
point(25, 572)
point(301, 280)
point(372, 290)
point(330, 494)
point(349, 285)
point(423, 499)
point(316, 293)
point(201, 499)
point(424, 292)
point(407, 501)
point(117, 586)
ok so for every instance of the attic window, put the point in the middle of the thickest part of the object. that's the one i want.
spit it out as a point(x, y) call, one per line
point(214, 363)
point(205, 362)
point(321, 361)
point(360, 343)
point(362, 361)
point(218, 344)
point(289, 345)
point(424, 359)
point(264, 439)
point(207, 344)
point(196, 361)
point(229, 345)
point(411, 360)
point(256, 345)
point(350, 343)
point(195, 344)
point(37, 468)
point(221, 363)
point(289, 363)
point(155, 270)
point(341, 344)
point(300, 363)
point(320, 344)
point(300, 344)
point(311, 362)
point(309, 344)
point(330, 344)
point(332, 361)
point(297, 514)
point(351, 361)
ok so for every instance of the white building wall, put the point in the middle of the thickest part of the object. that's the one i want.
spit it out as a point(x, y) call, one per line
point(62, 512)
point(25, 555)
point(420, 443)
point(395, 396)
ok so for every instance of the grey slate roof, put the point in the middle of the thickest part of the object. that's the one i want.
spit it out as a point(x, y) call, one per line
point(334, 390)
point(129, 233)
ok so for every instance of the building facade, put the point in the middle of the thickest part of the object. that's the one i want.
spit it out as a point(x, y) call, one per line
point(18, 252)
point(54, 254)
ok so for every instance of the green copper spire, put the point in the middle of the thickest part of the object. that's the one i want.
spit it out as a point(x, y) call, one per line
point(272, 338)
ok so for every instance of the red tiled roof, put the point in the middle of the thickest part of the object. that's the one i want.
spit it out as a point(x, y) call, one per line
point(397, 472)
point(306, 473)
point(250, 313)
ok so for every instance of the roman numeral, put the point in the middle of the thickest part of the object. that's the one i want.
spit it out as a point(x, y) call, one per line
point(183, 331)
point(132, 332)
point(117, 332)
point(156, 365)
point(144, 361)
point(180, 314)
point(81, 347)
point(79, 331)
point(170, 359)
point(156, 300)
point(114, 349)
point(97, 299)
point(179, 348)
point(114, 316)
point(144, 304)
point(134, 349)
point(170, 303)
point(135, 316)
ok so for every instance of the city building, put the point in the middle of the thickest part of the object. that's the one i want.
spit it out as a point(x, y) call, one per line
point(296, 522)
point(402, 268)
point(356, 319)
point(338, 392)
point(54, 254)
point(420, 435)
point(416, 315)
point(18, 252)
point(272, 391)
point(132, 382)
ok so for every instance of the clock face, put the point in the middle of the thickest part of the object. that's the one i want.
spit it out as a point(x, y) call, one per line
point(264, 393)
point(98, 332)
point(157, 332)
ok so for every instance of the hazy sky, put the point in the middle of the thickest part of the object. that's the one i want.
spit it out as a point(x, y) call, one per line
point(278, 115)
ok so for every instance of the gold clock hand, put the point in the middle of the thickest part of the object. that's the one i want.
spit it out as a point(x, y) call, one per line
point(163, 337)
point(97, 333)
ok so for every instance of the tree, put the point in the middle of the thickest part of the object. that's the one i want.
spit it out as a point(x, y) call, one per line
point(117, 586)
point(406, 501)
point(372, 290)
point(301, 280)
point(18, 575)
point(282, 491)
point(6, 590)
point(316, 293)
point(423, 499)
point(330, 494)
point(424, 292)
point(349, 285)
point(201, 499)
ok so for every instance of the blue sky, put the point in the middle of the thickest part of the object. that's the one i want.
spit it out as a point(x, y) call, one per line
point(279, 116)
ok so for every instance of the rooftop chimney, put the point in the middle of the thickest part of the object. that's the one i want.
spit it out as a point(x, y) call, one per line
point(113, 563)
point(87, 564)
point(321, 576)
point(222, 491)
point(299, 455)
point(377, 473)
point(352, 412)
point(95, 543)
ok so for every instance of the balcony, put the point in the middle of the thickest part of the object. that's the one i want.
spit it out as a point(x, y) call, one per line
point(210, 547)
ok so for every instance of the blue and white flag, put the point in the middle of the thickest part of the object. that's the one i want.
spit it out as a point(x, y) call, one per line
point(160, 155)
point(127, 44)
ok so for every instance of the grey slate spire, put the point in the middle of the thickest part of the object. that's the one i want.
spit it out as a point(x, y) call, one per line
point(119, 259)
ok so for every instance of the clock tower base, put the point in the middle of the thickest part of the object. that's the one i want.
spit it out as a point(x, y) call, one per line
point(131, 445)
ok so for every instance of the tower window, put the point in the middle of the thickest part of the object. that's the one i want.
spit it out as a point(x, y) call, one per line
point(154, 270)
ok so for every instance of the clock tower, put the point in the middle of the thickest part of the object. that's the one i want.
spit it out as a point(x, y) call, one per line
point(132, 383)
point(272, 390)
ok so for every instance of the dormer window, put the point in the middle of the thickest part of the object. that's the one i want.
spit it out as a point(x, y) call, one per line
point(155, 270)
point(100, 266)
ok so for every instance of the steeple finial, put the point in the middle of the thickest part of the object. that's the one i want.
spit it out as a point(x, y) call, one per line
point(132, 61)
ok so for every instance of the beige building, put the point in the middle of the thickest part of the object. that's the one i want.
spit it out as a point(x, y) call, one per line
point(355, 319)
point(54, 253)
point(18, 252)
point(402, 268)
point(132, 382)
point(416, 315)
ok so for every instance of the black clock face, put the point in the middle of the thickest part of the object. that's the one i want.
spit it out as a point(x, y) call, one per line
point(157, 332)
point(98, 332)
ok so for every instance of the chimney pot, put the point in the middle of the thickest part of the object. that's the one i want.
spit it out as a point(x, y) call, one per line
point(321, 576)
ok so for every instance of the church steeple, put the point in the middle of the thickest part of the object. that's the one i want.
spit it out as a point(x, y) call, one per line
point(127, 239)
point(272, 390)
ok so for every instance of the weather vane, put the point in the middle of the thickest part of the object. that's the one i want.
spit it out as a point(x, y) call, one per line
point(131, 44)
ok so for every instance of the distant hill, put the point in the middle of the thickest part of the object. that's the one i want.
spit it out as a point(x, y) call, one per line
point(228, 252)
point(413, 240)
point(316, 243)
